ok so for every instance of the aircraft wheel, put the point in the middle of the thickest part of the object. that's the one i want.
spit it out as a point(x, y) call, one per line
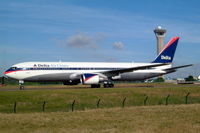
point(111, 85)
point(108, 85)
point(95, 86)
point(21, 87)
point(105, 86)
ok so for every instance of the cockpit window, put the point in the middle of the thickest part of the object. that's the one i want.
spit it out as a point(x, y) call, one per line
point(14, 68)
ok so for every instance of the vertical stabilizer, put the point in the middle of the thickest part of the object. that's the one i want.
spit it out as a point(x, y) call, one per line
point(167, 54)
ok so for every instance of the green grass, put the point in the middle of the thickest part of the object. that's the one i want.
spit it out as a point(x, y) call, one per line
point(140, 119)
point(59, 98)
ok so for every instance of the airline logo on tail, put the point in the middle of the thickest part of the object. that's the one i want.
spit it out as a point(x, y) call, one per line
point(167, 54)
point(165, 57)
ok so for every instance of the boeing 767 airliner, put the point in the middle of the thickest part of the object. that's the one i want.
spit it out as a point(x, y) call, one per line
point(95, 73)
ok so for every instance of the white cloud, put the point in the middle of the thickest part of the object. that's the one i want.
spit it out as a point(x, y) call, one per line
point(81, 40)
point(118, 45)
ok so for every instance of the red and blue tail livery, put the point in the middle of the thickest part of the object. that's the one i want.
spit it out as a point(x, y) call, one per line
point(167, 54)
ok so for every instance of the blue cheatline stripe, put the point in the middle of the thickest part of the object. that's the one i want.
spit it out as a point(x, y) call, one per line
point(70, 68)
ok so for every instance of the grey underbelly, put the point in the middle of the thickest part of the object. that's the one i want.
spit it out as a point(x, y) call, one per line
point(49, 77)
point(137, 76)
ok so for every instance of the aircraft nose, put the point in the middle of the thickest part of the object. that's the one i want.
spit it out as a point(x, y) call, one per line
point(5, 73)
point(11, 72)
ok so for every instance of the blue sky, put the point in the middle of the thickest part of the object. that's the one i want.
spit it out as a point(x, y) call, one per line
point(97, 30)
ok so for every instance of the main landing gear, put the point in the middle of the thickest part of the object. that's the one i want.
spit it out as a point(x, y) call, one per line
point(95, 85)
point(106, 84)
point(109, 85)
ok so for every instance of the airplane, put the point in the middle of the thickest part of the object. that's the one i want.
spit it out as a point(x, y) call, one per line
point(95, 73)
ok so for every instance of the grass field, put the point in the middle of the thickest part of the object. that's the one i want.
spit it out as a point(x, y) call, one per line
point(60, 98)
point(155, 117)
point(140, 119)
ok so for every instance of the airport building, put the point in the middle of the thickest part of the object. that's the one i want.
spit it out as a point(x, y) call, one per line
point(160, 35)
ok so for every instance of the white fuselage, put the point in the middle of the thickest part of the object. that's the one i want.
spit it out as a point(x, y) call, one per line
point(62, 71)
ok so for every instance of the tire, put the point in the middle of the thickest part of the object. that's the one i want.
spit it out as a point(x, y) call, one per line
point(106, 85)
point(99, 86)
point(21, 87)
point(95, 86)
point(111, 85)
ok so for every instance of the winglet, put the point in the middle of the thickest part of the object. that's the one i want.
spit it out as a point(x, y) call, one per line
point(167, 54)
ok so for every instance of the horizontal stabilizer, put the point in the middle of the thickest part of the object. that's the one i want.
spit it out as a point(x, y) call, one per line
point(175, 68)
point(119, 71)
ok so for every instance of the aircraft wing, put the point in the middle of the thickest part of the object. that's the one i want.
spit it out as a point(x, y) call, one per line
point(173, 69)
point(131, 69)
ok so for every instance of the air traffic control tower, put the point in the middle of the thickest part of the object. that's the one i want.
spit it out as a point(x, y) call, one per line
point(160, 34)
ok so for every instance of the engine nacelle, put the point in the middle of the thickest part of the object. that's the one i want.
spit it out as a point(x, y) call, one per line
point(90, 78)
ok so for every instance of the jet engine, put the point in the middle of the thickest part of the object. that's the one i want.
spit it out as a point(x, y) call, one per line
point(90, 78)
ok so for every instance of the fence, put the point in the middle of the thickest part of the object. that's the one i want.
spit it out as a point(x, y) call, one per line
point(97, 104)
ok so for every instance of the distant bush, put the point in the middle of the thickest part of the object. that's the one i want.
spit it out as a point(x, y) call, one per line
point(190, 78)
point(159, 79)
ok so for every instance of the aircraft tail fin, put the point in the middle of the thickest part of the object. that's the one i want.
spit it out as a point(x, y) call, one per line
point(167, 54)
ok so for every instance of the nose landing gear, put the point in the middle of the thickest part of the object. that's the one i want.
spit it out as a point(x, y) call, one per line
point(21, 84)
